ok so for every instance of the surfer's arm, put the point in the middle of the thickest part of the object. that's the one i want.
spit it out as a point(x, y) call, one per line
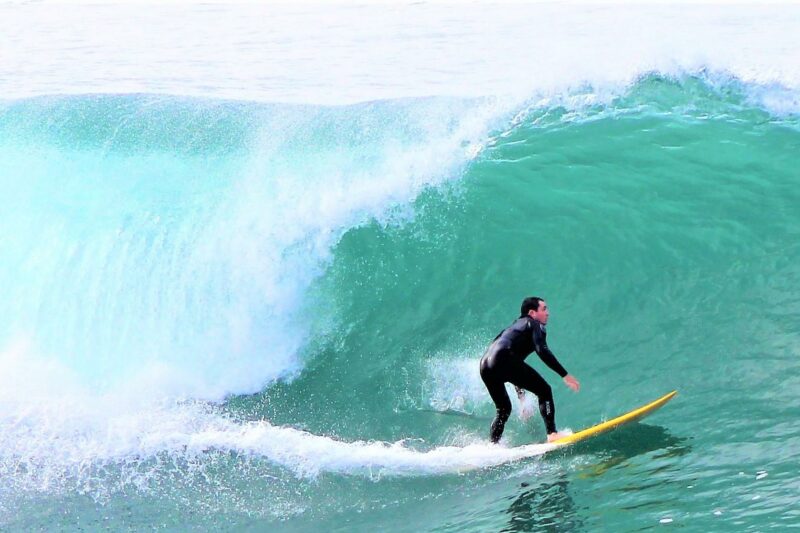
point(544, 353)
point(550, 360)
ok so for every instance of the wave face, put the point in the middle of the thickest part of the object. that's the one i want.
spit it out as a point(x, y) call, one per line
point(144, 231)
point(230, 311)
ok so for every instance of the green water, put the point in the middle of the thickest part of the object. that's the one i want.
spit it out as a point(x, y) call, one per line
point(667, 245)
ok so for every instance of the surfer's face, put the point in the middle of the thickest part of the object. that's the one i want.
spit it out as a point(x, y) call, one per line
point(540, 314)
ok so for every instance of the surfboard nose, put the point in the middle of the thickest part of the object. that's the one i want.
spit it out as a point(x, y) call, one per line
point(608, 425)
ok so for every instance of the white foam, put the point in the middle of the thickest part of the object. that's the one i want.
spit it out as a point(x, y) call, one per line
point(56, 434)
point(48, 449)
point(454, 384)
point(310, 454)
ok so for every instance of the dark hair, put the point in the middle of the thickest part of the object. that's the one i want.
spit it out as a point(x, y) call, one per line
point(531, 303)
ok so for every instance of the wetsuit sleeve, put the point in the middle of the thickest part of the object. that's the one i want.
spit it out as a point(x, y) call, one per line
point(544, 353)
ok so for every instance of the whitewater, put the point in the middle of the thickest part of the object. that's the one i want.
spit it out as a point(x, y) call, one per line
point(250, 256)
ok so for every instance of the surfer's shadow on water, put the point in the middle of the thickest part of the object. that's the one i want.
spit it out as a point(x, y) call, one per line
point(544, 507)
point(618, 447)
point(549, 506)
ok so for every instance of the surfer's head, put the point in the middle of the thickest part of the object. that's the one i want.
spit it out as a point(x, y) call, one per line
point(536, 308)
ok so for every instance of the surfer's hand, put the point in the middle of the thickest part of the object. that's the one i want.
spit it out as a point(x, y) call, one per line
point(572, 383)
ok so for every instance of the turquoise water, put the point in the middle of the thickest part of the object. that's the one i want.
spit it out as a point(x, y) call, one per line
point(242, 314)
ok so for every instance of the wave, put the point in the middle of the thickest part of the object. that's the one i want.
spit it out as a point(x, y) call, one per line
point(146, 247)
point(163, 254)
point(159, 251)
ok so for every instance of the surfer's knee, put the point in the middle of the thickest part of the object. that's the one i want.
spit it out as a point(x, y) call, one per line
point(545, 393)
point(503, 405)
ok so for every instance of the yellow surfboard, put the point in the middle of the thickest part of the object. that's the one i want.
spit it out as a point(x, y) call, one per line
point(608, 425)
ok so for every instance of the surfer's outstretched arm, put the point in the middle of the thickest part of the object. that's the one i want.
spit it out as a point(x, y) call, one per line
point(544, 353)
point(549, 358)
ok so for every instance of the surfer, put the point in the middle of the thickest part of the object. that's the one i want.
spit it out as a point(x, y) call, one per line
point(504, 362)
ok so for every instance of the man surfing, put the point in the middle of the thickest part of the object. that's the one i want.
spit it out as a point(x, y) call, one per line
point(504, 362)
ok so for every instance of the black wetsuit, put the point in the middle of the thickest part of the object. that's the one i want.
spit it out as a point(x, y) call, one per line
point(504, 361)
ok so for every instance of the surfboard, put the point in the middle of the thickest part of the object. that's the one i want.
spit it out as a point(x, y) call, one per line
point(608, 425)
point(501, 455)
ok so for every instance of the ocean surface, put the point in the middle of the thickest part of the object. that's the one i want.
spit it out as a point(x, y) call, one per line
point(251, 255)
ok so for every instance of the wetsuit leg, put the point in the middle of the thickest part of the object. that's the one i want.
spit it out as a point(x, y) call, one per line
point(497, 390)
point(525, 377)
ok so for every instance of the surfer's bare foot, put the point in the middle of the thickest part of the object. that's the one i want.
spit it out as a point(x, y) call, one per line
point(555, 436)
